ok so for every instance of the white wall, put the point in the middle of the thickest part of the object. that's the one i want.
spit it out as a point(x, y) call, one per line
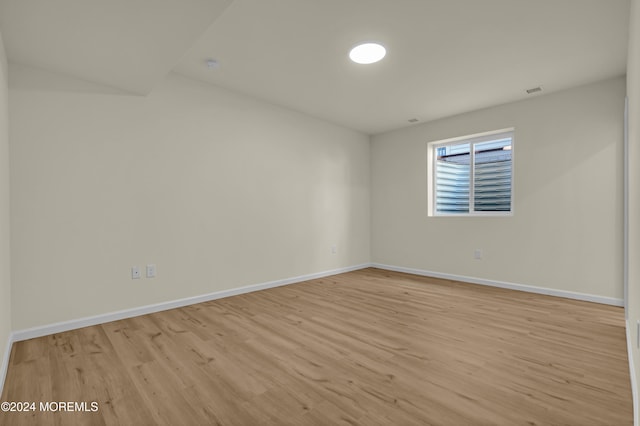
point(217, 189)
point(633, 94)
point(566, 233)
point(5, 274)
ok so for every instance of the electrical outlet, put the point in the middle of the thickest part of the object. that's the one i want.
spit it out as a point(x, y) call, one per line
point(135, 273)
point(151, 271)
point(477, 254)
point(334, 249)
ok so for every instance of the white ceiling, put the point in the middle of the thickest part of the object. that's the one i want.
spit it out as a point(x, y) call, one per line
point(126, 44)
point(444, 57)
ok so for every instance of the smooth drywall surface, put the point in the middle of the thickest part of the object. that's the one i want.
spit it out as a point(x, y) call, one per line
point(633, 95)
point(566, 230)
point(5, 275)
point(216, 189)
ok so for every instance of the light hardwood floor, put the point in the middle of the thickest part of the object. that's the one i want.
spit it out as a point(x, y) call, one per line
point(369, 347)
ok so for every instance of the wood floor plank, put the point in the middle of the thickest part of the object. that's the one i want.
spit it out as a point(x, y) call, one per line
point(369, 347)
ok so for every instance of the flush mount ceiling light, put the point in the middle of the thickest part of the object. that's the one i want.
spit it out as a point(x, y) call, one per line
point(367, 53)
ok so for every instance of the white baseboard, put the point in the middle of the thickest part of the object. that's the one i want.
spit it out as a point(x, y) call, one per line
point(632, 373)
point(5, 361)
point(501, 284)
point(59, 327)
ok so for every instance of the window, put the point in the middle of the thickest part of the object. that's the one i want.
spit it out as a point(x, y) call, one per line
point(472, 175)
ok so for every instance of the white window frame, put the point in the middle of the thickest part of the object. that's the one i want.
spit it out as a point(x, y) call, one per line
point(470, 139)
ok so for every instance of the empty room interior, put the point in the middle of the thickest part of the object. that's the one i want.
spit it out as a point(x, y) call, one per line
point(319, 212)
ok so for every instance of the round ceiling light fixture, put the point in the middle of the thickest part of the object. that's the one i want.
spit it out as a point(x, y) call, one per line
point(367, 53)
